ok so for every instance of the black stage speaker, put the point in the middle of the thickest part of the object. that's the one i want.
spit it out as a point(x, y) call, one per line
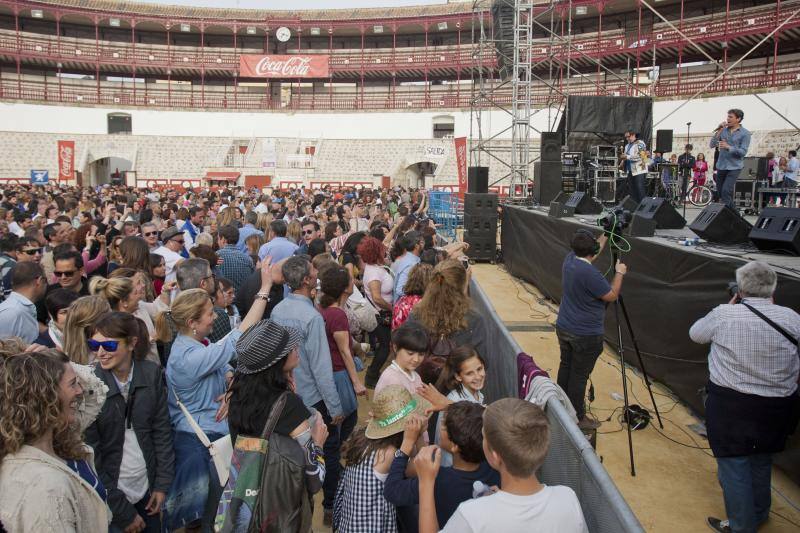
point(560, 210)
point(778, 229)
point(546, 181)
point(641, 227)
point(584, 204)
point(663, 141)
point(480, 225)
point(628, 204)
point(480, 204)
point(719, 223)
point(478, 179)
point(550, 148)
point(666, 216)
point(503, 30)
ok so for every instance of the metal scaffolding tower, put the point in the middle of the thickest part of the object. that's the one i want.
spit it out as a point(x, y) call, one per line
point(521, 95)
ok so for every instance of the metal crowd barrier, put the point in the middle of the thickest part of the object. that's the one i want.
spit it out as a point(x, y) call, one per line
point(571, 461)
point(446, 211)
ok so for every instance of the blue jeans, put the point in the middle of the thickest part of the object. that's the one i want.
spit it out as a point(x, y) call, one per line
point(726, 185)
point(746, 486)
point(636, 186)
point(152, 523)
point(332, 450)
point(579, 353)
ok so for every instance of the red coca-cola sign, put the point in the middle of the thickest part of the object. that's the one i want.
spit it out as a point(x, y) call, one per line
point(66, 159)
point(283, 66)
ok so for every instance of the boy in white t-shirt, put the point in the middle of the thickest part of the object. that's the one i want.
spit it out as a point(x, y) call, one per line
point(516, 436)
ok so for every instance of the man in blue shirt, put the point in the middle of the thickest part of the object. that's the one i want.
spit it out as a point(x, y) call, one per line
point(279, 247)
point(250, 219)
point(412, 244)
point(580, 317)
point(732, 140)
point(236, 265)
point(790, 174)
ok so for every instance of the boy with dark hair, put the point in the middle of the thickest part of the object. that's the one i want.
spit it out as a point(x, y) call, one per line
point(516, 437)
point(461, 436)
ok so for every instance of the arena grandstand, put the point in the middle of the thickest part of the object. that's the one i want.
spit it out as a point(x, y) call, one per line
point(520, 164)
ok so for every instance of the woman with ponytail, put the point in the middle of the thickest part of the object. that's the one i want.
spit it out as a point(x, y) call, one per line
point(198, 375)
point(446, 312)
point(132, 437)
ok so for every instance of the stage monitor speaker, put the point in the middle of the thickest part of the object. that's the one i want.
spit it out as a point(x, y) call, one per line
point(778, 229)
point(478, 179)
point(719, 223)
point(550, 148)
point(560, 210)
point(658, 209)
point(628, 204)
point(663, 141)
point(641, 227)
point(584, 204)
point(546, 181)
point(480, 204)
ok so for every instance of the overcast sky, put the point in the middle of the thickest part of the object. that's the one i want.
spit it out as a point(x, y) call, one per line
point(296, 4)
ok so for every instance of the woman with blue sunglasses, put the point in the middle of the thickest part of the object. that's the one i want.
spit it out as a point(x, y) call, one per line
point(132, 437)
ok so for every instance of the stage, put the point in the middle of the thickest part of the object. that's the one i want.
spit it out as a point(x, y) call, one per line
point(667, 288)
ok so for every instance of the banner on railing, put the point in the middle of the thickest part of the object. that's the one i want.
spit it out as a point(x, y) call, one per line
point(286, 66)
point(269, 154)
point(461, 163)
point(66, 160)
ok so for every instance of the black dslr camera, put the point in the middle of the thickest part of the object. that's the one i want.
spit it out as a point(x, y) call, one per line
point(733, 290)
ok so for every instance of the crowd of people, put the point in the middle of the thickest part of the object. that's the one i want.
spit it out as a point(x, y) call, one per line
point(196, 359)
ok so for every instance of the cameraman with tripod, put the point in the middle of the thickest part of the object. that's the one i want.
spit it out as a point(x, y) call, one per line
point(752, 403)
point(580, 317)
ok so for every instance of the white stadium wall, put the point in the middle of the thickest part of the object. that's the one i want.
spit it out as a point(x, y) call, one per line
point(181, 146)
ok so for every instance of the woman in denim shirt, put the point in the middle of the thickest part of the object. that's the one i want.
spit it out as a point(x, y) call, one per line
point(198, 374)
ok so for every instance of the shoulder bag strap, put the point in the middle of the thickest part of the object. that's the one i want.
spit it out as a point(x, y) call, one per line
point(771, 323)
point(274, 415)
point(195, 426)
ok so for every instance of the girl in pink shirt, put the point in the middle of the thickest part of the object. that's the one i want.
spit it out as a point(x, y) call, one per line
point(410, 343)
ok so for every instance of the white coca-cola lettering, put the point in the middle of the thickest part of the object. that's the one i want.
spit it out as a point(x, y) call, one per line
point(293, 67)
point(66, 160)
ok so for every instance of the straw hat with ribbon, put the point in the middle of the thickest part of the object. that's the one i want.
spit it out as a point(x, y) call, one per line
point(390, 408)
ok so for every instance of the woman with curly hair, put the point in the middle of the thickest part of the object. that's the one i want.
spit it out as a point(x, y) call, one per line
point(446, 313)
point(378, 284)
point(47, 481)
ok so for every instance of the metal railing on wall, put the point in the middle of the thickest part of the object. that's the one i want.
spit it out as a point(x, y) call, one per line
point(570, 461)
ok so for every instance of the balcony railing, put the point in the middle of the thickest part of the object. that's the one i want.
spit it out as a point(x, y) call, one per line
point(113, 94)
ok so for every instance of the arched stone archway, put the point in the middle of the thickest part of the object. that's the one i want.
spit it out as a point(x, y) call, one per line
point(416, 173)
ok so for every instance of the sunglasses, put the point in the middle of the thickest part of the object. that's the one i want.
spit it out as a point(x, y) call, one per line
point(179, 241)
point(64, 274)
point(109, 346)
point(33, 251)
point(150, 233)
point(308, 232)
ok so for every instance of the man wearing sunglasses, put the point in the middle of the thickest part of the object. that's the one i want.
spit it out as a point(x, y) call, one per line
point(150, 235)
point(70, 274)
point(173, 242)
point(310, 232)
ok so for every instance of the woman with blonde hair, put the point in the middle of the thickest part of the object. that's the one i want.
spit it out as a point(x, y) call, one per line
point(126, 294)
point(81, 316)
point(253, 243)
point(198, 374)
point(446, 313)
point(47, 478)
point(226, 217)
point(263, 222)
point(294, 231)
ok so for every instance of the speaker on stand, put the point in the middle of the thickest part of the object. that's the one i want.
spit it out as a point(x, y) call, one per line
point(478, 180)
point(547, 171)
point(480, 225)
point(663, 141)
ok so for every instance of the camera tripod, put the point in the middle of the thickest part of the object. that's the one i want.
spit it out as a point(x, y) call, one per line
point(619, 303)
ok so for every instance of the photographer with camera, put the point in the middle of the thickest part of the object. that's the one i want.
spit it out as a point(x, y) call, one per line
point(580, 317)
point(752, 403)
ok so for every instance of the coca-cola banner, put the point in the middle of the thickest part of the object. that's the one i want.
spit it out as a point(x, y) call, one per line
point(461, 164)
point(289, 66)
point(66, 160)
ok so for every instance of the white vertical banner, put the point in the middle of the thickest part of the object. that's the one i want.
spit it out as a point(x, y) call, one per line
point(269, 154)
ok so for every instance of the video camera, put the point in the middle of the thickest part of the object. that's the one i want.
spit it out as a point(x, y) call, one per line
point(615, 220)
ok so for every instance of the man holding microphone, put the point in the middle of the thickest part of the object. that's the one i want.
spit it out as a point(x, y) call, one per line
point(732, 140)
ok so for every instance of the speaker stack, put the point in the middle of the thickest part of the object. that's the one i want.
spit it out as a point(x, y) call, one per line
point(480, 225)
point(503, 30)
point(658, 209)
point(547, 173)
point(719, 223)
point(478, 179)
point(777, 229)
point(663, 141)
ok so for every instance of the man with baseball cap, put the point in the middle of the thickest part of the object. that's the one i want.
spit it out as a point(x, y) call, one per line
point(172, 243)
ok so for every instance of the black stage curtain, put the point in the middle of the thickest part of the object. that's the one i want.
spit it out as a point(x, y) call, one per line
point(665, 291)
